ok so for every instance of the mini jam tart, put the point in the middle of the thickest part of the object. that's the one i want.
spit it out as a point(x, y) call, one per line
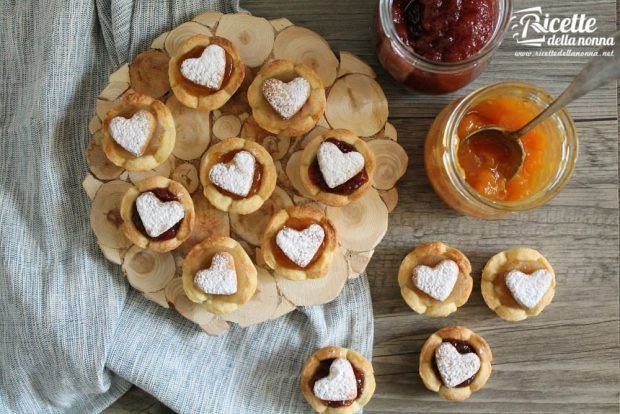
point(138, 133)
point(518, 283)
point(337, 167)
point(337, 380)
point(238, 175)
point(287, 98)
point(219, 275)
point(435, 279)
point(299, 243)
point(455, 362)
point(157, 214)
point(206, 72)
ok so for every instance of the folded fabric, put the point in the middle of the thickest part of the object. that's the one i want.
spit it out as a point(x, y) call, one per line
point(73, 335)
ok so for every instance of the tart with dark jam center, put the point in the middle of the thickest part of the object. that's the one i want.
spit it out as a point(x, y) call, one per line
point(164, 195)
point(316, 176)
point(256, 181)
point(322, 371)
point(463, 347)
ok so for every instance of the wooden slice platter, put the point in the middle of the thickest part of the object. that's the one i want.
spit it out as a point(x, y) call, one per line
point(355, 101)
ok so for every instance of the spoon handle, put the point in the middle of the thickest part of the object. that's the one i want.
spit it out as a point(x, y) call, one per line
point(601, 69)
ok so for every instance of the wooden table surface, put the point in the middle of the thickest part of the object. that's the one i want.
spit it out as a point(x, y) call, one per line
point(563, 361)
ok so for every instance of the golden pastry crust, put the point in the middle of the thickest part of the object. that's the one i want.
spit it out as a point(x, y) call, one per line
point(309, 215)
point(160, 145)
point(358, 361)
point(434, 383)
point(225, 202)
point(496, 294)
point(139, 238)
point(430, 254)
point(200, 258)
point(307, 117)
point(309, 155)
point(216, 99)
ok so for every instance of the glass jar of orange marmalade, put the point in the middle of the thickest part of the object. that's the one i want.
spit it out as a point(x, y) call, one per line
point(471, 180)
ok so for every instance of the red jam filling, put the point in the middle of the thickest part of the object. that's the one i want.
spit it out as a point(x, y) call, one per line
point(164, 195)
point(463, 347)
point(445, 30)
point(348, 188)
point(323, 371)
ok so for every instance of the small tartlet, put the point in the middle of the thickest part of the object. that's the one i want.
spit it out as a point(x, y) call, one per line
point(431, 254)
point(433, 381)
point(334, 196)
point(496, 293)
point(299, 218)
point(199, 258)
point(309, 114)
point(357, 361)
point(141, 239)
point(161, 143)
point(197, 96)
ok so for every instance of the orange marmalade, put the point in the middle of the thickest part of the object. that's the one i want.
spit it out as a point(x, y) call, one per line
point(482, 161)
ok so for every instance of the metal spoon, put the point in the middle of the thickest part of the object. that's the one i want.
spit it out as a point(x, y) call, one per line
point(600, 70)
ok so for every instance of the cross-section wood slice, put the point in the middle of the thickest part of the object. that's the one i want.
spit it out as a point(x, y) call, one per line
point(160, 42)
point(192, 130)
point(357, 262)
point(317, 291)
point(277, 146)
point(284, 306)
point(187, 175)
point(209, 222)
point(390, 198)
point(164, 170)
point(148, 271)
point(280, 24)
point(250, 227)
point(176, 297)
point(262, 305)
point(113, 90)
point(391, 163)
point(251, 35)
point(181, 33)
point(302, 45)
point(349, 63)
point(361, 224)
point(105, 215)
point(209, 19)
point(98, 163)
point(148, 73)
point(227, 126)
point(120, 75)
point(91, 185)
point(216, 327)
point(115, 256)
point(294, 175)
point(357, 103)
point(390, 132)
point(94, 125)
point(158, 297)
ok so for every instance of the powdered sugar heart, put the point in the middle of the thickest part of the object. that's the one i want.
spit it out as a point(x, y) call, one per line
point(134, 133)
point(158, 216)
point(220, 278)
point(339, 385)
point(337, 167)
point(300, 246)
point(208, 69)
point(236, 177)
point(438, 281)
point(455, 368)
point(528, 290)
point(286, 98)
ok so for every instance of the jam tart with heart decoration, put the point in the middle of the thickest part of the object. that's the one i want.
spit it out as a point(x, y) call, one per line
point(158, 214)
point(287, 98)
point(455, 362)
point(205, 72)
point(237, 175)
point(219, 275)
point(299, 243)
point(435, 279)
point(337, 380)
point(337, 167)
point(518, 283)
point(138, 133)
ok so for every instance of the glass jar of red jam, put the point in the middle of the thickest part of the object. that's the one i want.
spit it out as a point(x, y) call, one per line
point(470, 179)
point(439, 46)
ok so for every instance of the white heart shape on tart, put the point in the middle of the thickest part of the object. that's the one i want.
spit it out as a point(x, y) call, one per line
point(236, 177)
point(158, 216)
point(336, 166)
point(300, 246)
point(286, 98)
point(208, 69)
point(339, 385)
point(528, 290)
point(437, 282)
point(455, 368)
point(133, 134)
point(220, 278)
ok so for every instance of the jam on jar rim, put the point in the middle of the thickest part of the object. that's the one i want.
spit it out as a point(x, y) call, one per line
point(536, 95)
point(322, 371)
point(504, 12)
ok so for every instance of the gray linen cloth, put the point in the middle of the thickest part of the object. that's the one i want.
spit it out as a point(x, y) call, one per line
point(73, 335)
